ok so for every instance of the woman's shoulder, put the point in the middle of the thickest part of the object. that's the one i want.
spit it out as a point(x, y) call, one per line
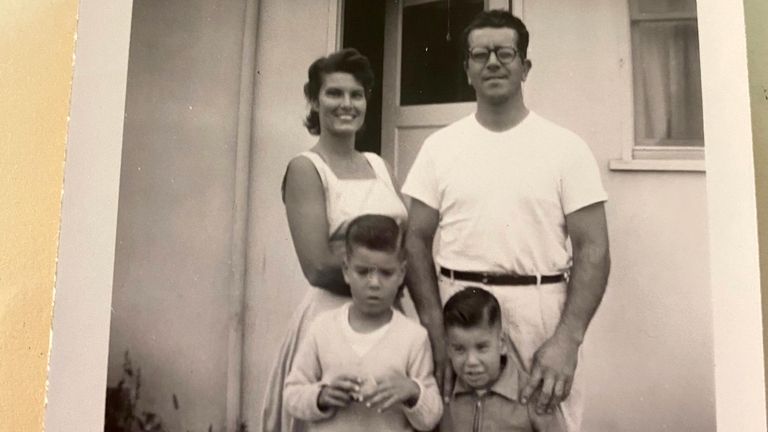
point(305, 159)
point(304, 172)
point(306, 164)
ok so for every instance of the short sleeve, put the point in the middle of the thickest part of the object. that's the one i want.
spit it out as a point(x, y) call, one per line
point(421, 182)
point(580, 183)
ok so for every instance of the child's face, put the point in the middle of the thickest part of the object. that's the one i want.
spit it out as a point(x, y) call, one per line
point(374, 277)
point(475, 354)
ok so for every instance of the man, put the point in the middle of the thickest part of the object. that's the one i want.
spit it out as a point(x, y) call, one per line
point(517, 202)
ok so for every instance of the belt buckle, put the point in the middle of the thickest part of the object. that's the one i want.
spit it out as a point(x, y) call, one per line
point(485, 278)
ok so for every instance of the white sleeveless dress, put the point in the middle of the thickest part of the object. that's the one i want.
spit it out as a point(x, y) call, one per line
point(345, 200)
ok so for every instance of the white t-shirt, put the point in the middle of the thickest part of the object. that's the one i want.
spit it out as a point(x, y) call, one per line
point(503, 196)
point(361, 343)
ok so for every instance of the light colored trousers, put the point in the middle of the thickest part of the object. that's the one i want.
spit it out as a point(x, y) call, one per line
point(530, 314)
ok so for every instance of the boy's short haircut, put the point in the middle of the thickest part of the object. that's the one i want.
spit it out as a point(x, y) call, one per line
point(471, 307)
point(375, 232)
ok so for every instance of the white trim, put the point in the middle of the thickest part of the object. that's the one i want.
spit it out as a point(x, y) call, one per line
point(390, 100)
point(664, 16)
point(77, 379)
point(668, 152)
point(407, 3)
point(518, 8)
point(639, 154)
point(734, 254)
point(497, 4)
point(432, 115)
point(656, 165)
point(240, 219)
point(334, 33)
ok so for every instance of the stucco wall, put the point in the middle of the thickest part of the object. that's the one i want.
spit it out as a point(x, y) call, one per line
point(289, 39)
point(170, 305)
point(649, 352)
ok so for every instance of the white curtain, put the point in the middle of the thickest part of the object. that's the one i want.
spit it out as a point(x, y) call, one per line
point(667, 80)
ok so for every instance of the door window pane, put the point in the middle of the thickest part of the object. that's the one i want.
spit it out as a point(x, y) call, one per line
point(432, 52)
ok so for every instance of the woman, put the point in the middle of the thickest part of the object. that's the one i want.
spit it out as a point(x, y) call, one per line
point(323, 189)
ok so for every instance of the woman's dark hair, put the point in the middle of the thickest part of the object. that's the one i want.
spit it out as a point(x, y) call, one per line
point(498, 19)
point(348, 60)
point(471, 307)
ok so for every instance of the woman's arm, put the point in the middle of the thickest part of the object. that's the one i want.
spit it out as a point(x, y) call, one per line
point(304, 199)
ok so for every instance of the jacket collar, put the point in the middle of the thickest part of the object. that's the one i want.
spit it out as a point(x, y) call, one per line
point(507, 385)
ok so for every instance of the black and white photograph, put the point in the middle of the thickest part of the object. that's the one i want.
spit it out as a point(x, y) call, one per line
point(399, 215)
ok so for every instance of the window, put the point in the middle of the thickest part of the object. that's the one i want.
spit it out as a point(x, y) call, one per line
point(432, 55)
point(668, 120)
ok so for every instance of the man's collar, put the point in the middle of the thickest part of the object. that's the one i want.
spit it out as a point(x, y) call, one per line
point(508, 384)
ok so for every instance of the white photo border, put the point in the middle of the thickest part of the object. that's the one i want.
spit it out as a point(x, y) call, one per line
point(78, 365)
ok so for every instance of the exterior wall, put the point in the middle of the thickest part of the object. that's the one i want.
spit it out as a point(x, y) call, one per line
point(36, 74)
point(649, 353)
point(172, 278)
point(290, 38)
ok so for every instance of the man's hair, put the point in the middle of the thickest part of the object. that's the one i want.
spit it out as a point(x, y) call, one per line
point(471, 307)
point(348, 60)
point(375, 232)
point(498, 19)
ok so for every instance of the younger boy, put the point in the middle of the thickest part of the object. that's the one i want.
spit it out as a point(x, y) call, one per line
point(488, 380)
point(365, 366)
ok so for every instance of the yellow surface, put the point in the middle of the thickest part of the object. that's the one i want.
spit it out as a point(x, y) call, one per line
point(36, 42)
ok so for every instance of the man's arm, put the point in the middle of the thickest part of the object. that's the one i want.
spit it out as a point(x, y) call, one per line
point(554, 363)
point(422, 284)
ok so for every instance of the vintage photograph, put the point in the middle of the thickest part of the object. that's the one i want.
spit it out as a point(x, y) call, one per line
point(547, 155)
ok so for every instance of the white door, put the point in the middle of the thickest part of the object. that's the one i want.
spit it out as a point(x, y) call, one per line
point(424, 85)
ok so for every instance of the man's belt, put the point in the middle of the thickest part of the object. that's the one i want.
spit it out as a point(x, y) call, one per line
point(499, 278)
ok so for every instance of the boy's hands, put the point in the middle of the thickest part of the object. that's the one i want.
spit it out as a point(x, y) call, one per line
point(393, 390)
point(338, 393)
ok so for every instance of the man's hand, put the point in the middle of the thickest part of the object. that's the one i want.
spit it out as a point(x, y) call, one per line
point(393, 390)
point(443, 370)
point(554, 365)
point(338, 393)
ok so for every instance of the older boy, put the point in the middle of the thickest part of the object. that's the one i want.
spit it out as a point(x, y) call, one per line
point(365, 366)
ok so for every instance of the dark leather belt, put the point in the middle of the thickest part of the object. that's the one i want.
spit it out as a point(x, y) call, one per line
point(499, 278)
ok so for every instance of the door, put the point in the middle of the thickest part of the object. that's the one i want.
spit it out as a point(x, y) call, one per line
point(424, 84)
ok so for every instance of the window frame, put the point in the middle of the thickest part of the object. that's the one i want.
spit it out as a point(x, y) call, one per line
point(642, 154)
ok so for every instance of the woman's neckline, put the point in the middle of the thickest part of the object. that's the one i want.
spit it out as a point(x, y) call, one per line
point(370, 166)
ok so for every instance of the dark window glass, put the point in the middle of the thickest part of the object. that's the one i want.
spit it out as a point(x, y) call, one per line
point(432, 52)
point(364, 30)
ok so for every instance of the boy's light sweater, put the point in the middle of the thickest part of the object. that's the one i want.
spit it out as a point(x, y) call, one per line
point(326, 353)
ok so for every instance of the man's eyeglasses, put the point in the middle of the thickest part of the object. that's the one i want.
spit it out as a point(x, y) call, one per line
point(481, 55)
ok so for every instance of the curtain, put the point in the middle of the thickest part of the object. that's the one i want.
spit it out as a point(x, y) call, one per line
point(667, 81)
